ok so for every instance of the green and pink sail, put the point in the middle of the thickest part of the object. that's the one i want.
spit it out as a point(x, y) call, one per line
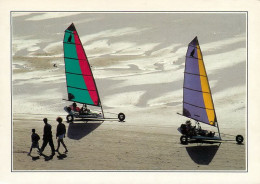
point(197, 98)
point(81, 85)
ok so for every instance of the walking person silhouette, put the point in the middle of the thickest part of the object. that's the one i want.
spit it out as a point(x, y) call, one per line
point(47, 137)
point(35, 144)
point(60, 134)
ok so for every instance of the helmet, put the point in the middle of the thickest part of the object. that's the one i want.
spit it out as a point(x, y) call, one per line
point(188, 122)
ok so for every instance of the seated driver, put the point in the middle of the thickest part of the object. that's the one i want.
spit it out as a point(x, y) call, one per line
point(84, 109)
point(188, 125)
point(191, 130)
point(75, 108)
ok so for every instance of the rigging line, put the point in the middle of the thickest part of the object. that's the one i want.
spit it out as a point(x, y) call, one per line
point(195, 74)
point(198, 106)
point(81, 88)
point(196, 90)
point(77, 74)
point(74, 58)
point(110, 112)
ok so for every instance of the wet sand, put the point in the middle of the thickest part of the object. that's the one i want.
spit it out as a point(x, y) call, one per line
point(131, 145)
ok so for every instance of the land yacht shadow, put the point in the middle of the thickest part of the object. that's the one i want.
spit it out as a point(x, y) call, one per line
point(79, 130)
point(202, 154)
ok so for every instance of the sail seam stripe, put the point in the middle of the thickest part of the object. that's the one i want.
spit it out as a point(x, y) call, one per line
point(80, 88)
point(77, 74)
point(196, 90)
point(198, 106)
point(195, 74)
point(71, 32)
point(84, 103)
point(193, 57)
point(72, 43)
point(194, 46)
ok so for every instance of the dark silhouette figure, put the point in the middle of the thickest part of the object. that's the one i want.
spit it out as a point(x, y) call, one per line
point(69, 39)
point(70, 96)
point(60, 134)
point(47, 137)
point(35, 144)
point(192, 53)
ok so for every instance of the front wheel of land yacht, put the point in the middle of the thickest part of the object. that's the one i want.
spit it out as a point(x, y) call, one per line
point(70, 118)
point(184, 139)
point(121, 116)
point(239, 139)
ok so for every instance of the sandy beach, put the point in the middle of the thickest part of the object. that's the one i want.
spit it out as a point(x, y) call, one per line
point(137, 60)
point(116, 146)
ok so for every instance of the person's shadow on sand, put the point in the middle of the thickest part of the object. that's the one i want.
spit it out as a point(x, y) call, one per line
point(202, 155)
point(46, 157)
point(61, 156)
point(34, 158)
point(79, 130)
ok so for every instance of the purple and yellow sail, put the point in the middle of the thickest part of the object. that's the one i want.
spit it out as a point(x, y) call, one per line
point(197, 98)
point(81, 85)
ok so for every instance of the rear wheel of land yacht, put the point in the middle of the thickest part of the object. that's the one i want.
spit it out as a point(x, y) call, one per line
point(70, 118)
point(184, 139)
